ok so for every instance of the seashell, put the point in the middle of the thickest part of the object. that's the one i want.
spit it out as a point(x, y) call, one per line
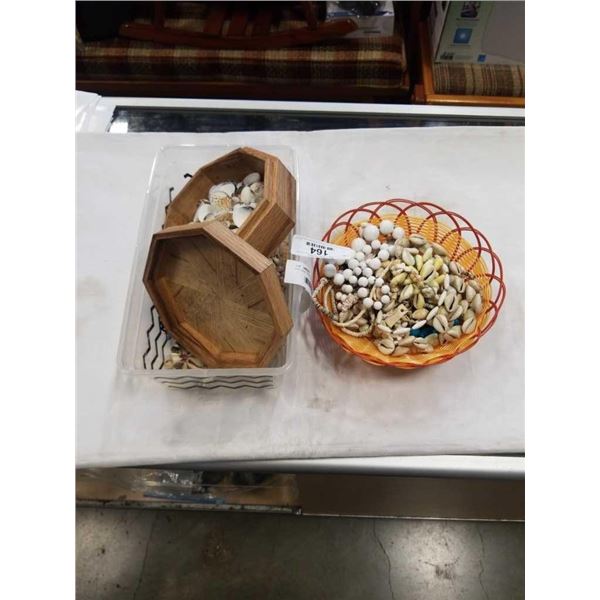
point(432, 313)
point(450, 299)
point(345, 315)
point(468, 314)
point(420, 301)
point(438, 249)
point(398, 280)
point(442, 311)
point(401, 331)
point(407, 341)
point(381, 330)
point(407, 257)
point(240, 214)
point(419, 324)
point(389, 307)
point(475, 285)
point(477, 304)
point(251, 178)
point(423, 347)
point(385, 346)
point(468, 326)
point(407, 292)
point(446, 281)
point(427, 254)
point(203, 211)
point(419, 314)
point(440, 323)
point(417, 240)
point(456, 313)
point(246, 195)
point(227, 188)
point(400, 350)
point(469, 292)
point(222, 216)
point(258, 189)
point(220, 201)
point(418, 262)
point(444, 268)
point(438, 263)
point(427, 268)
point(432, 339)
point(349, 302)
point(442, 297)
point(427, 292)
point(458, 283)
point(454, 268)
point(464, 304)
point(413, 251)
point(454, 332)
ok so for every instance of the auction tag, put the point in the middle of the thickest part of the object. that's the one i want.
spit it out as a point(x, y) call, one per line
point(303, 246)
point(298, 273)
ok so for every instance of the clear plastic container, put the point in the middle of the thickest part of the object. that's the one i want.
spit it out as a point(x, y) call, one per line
point(144, 345)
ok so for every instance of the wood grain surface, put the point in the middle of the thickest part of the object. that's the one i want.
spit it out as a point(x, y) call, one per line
point(274, 216)
point(217, 296)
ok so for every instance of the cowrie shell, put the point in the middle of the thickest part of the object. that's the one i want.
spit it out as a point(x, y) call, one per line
point(407, 341)
point(407, 292)
point(439, 249)
point(432, 313)
point(417, 240)
point(468, 326)
point(427, 269)
point(469, 292)
point(456, 314)
point(407, 257)
point(400, 350)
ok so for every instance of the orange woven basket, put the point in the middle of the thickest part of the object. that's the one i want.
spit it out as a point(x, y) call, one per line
point(464, 244)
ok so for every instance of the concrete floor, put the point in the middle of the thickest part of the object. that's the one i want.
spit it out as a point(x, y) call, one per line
point(157, 554)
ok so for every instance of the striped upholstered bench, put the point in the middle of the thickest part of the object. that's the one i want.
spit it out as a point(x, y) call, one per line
point(339, 69)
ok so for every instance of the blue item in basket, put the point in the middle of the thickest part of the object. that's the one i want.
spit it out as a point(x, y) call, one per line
point(423, 331)
point(428, 330)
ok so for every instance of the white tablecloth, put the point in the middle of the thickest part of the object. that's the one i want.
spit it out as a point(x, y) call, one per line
point(329, 404)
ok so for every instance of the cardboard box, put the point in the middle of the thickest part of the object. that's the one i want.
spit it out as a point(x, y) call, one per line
point(374, 19)
point(478, 32)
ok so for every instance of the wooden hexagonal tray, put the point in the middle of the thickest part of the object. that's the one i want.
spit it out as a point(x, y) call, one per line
point(217, 295)
point(274, 216)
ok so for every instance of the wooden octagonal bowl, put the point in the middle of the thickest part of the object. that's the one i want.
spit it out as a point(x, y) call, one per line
point(275, 214)
point(217, 295)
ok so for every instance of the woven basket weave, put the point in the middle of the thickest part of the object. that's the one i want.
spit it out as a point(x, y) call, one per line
point(465, 245)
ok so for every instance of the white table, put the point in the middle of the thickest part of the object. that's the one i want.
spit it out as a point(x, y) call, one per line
point(476, 171)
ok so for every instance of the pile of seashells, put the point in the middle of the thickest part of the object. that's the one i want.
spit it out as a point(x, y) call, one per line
point(231, 202)
point(403, 292)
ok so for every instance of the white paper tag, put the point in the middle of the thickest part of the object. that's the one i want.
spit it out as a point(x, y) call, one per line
point(298, 273)
point(303, 246)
